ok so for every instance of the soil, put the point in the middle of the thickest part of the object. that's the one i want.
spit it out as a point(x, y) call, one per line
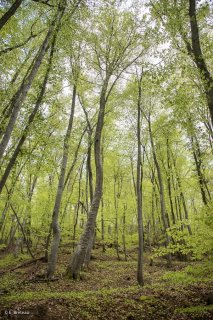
point(107, 290)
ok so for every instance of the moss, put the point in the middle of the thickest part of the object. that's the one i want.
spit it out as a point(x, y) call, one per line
point(10, 260)
point(148, 299)
point(202, 272)
point(195, 309)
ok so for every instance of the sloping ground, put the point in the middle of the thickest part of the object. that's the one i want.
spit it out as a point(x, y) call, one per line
point(108, 291)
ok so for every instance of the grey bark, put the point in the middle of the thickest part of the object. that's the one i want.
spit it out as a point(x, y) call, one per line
point(21, 94)
point(198, 164)
point(140, 277)
point(116, 200)
point(195, 50)
point(30, 121)
point(77, 259)
point(182, 196)
point(55, 225)
point(23, 232)
point(124, 231)
point(169, 173)
point(77, 205)
point(11, 11)
point(161, 187)
point(102, 226)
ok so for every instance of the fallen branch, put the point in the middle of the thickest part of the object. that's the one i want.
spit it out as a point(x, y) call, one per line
point(24, 264)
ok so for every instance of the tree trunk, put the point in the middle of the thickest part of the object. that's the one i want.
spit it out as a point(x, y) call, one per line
point(182, 197)
point(161, 187)
point(116, 197)
point(10, 13)
point(169, 173)
point(30, 121)
point(139, 190)
point(77, 205)
point(55, 226)
point(102, 226)
point(198, 165)
point(124, 231)
point(199, 58)
point(21, 94)
point(77, 259)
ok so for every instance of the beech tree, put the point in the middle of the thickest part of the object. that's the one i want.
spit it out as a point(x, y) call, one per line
point(95, 154)
point(112, 59)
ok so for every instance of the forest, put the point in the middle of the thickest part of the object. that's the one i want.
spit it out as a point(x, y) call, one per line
point(106, 127)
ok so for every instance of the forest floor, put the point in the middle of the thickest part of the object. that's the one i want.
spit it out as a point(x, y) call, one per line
point(108, 290)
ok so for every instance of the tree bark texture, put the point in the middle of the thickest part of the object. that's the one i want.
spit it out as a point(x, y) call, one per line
point(161, 189)
point(21, 94)
point(30, 121)
point(55, 225)
point(139, 190)
point(199, 58)
point(77, 259)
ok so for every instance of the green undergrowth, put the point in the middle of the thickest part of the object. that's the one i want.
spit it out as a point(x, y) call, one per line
point(199, 272)
point(196, 309)
point(10, 260)
point(42, 295)
point(148, 299)
point(8, 282)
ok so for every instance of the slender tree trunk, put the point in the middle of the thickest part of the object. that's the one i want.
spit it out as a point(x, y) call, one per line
point(22, 230)
point(70, 171)
point(11, 11)
point(198, 57)
point(55, 226)
point(133, 176)
point(21, 94)
point(140, 278)
point(182, 196)
point(90, 176)
point(198, 165)
point(102, 226)
point(30, 121)
point(77, 259)
point(4, 213)
point(90, 180)
point(169, 173)
point(116, 197)
point(8, 108)
point(162, 196)
point(75, 222)
point(124, 231)
point(77, 206)
point(153, 212)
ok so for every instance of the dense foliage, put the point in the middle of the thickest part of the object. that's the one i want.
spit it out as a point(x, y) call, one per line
point(106, 53)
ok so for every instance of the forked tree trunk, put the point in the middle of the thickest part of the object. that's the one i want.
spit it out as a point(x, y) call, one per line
point(78, 257)
point(55, 225)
